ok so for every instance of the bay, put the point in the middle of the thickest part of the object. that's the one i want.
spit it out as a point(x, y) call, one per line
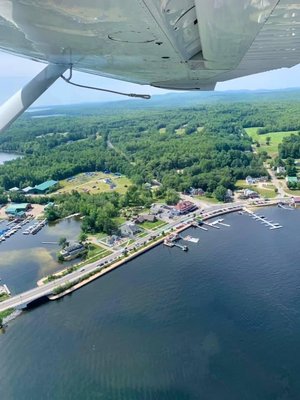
point(221, 321)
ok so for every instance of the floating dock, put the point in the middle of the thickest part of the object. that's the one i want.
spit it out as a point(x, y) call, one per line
point(263, 220)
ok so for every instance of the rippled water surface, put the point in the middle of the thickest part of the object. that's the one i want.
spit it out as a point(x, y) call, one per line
point(219, 322)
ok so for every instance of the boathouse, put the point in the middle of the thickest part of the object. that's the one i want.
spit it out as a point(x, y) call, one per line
point(17, 210)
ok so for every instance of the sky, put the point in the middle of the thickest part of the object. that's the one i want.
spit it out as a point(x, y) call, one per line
point(15, 72)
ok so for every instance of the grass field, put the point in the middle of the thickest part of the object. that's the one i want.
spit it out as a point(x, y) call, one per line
point(276, 139)
point(94, 183)
point(153, 225)
point(207, 199)
point(265, 191)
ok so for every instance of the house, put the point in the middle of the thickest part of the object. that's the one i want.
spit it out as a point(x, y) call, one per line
point(112, 239)
point(250, 194)
point(250, 180)
point(14, 189)
point(17, 210)
point(27, 190)
point(44, 187)
point(197, 192)
point(184, 207)
point(280, 170)
point(156, 208)
point(145, 217)
point(73, 251)
point(129, 229)
point(229, 195)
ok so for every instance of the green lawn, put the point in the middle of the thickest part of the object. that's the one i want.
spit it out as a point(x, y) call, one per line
point(95, 250)
point(267, 191)
point(95, 183)
point(153, 225)
point(276, 139)
point(206, 199)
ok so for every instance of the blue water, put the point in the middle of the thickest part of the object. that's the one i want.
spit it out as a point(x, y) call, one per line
point(7, 157)
point(219, 322)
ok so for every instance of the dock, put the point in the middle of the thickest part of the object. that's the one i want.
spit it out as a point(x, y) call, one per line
point(286, 206)
point(272, 225)
point(212, 225)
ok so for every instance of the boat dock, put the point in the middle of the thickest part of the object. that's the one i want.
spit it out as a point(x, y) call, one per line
point(286, 206)
point(212, 224)
point(33, 229)
point(272, 225)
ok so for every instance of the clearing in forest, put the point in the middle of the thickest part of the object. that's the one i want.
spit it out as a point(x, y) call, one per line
point(275, 139)
point(95, 182)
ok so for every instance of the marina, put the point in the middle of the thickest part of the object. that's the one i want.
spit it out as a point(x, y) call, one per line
point(12, 227)
point(33, 229)
point(194, 293)
point(261, 218)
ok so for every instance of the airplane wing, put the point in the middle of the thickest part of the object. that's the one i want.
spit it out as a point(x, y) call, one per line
point(175, 44)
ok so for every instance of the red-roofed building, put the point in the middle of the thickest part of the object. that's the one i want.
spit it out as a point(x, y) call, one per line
point(184, 207)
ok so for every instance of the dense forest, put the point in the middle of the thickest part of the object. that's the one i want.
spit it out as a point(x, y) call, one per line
point(290, 147)
point(201, 146)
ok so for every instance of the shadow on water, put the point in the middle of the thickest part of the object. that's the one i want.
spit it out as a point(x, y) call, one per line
point(36, 303)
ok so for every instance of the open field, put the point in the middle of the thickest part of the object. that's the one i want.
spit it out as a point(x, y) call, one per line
point(264, 189)
point(153, 225)
point(276, 139)
point(207, 199)
point(94, 183)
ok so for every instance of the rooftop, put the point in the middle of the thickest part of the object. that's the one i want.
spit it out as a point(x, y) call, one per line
point(13, 208)
point(45, 185)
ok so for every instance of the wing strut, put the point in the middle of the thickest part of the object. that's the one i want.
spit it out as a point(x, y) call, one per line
point(23, 99)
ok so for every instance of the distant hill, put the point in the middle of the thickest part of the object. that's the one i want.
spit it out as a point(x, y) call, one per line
point(171, 100)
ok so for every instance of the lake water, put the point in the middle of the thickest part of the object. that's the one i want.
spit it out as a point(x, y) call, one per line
point(7, 157)
point(25, 259)
point(220, 322)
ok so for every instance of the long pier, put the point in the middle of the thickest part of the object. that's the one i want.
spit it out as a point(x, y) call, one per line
point(263, 220)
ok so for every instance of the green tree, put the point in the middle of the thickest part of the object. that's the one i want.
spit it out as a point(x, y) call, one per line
point(63, 242)
point(220, 193)
point(172, 197)
point(83, 237)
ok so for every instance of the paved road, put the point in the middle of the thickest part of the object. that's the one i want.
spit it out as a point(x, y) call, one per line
point(277, 183)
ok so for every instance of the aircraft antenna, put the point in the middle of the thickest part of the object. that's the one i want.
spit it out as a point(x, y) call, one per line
point(68, 80)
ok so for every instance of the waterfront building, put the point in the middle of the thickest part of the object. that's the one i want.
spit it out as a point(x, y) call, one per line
point(17, 210)
point(184, 207)
point(72, 251)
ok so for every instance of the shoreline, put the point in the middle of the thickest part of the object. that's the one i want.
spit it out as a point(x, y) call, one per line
point(125, 260)
point(69, 286)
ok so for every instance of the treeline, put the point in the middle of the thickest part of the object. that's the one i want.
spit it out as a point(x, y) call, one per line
point(61, 162)
point(290, 147)
point(99, 211)
point(203, 146)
